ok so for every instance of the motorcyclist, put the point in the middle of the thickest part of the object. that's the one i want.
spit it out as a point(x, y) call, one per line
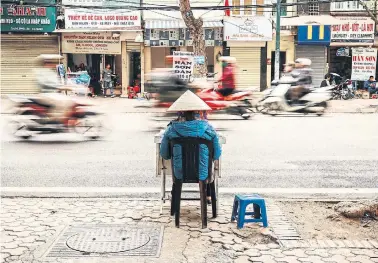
point(228, 76)
point(302, 77)
point(49, 85)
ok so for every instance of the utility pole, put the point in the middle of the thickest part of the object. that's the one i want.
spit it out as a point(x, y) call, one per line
point(278, 40)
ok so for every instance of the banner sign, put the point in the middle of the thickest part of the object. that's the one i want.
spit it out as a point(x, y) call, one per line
point(102, 19)
point(91, 43)
point(101, 3)
point(353, 30)
point(27, 18)
point(183, 66)
point(364, 62)
point(247, 29)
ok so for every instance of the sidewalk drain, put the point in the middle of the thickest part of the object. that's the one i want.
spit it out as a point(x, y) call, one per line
point(109, 241)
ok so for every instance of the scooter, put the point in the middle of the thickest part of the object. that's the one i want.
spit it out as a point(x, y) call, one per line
point(31, 118)
point(313, 102)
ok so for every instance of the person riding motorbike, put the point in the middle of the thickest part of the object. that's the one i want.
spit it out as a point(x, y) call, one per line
point(302, 77)
point(228, 76)
point(49, 85)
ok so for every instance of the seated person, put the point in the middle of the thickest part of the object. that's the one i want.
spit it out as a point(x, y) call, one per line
point(326, 81)
point(370, 85)
point(189, 124)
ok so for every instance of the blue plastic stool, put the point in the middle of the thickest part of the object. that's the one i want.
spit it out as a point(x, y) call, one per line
point(239, 210)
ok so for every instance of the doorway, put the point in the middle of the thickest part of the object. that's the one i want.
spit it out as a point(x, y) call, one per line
point(135, 68)
point(282, 63)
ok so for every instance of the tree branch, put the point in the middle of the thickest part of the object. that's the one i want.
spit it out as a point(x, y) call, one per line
point(364, 5)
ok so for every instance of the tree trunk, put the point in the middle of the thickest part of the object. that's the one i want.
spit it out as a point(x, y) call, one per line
point(196, 30)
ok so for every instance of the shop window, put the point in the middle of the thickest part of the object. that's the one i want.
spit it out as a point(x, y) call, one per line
point(154, 34)
point(347, 6)
point(313, 8)
point(243, 11)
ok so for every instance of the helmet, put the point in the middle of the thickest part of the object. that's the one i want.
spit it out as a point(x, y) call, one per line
point(303, 61)
point(230, 60)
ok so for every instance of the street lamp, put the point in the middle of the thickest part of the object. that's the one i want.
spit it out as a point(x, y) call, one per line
point(277, 4)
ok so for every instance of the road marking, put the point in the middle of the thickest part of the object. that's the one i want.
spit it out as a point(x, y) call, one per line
point(224, 190)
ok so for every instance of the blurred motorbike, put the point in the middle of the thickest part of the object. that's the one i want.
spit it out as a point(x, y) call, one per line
point(32, 116)
point(313, 102)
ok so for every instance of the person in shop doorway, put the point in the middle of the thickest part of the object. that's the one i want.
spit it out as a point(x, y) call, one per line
point(106, 78)
point(371, 85)
point(326, 81)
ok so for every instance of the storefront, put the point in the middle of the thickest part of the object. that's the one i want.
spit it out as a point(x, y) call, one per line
point(94, 38)
point(246, 40)
point(353, 32)
point(313, 42)
point(25, 35)
point(164, 37)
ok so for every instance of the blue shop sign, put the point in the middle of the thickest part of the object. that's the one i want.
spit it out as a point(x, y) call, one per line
point(314, 35)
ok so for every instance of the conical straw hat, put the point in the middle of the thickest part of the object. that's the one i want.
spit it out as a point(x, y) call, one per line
point(188, 102)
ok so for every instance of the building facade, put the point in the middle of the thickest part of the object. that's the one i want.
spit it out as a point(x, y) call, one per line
point(26, 33)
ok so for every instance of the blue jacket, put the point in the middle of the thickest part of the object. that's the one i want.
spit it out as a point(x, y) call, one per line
point(367, 84)
point(197, 128)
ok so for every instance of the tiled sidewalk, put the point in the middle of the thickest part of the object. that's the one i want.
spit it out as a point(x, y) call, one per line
point(30, 226)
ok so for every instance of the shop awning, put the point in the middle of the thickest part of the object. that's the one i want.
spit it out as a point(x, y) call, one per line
point(310, 20)
point(170, 24)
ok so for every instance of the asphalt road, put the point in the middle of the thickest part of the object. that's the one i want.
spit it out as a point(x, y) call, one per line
point(333, 151)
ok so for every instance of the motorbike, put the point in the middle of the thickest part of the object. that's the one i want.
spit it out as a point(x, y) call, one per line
point(344, 91)
point(31, 118)
point(236, 103)
point(313, 102)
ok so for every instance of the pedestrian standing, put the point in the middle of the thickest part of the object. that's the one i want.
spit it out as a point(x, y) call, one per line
point(106, 78)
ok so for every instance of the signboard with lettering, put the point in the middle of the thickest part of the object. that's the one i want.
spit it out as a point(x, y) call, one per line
point(364, 63)
point(183, 66)
point(102, 19)
point(27, 18)
point(101, 3)
point(247, 29)
point(91, 43)
point(354, 30)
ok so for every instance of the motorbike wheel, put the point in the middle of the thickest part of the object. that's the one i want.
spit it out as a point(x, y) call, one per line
point(17, 127)
point(244, 113)
point(90, 127)
point(346, 96)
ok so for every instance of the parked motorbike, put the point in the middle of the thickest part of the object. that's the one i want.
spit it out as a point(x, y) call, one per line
point(313, 102)
point(344, 91)
point(31, 117)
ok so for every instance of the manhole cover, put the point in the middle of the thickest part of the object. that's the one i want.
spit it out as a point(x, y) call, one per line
point(108, 240)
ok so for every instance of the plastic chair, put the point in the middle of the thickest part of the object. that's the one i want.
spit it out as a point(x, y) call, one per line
point(190, 150)
point(239, 210)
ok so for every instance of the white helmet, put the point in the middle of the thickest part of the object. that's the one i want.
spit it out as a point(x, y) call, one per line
point(303, 61)
point(228, 59)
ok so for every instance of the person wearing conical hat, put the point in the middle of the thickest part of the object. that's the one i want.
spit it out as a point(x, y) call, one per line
point(189, 124)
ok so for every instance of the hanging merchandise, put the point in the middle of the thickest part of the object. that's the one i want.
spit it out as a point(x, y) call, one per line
point(364, 61)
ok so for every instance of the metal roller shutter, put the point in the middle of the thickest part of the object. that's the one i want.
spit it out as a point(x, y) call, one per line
point(248, 66)
point(18, 53)
point(132, 47)
point(318, 56)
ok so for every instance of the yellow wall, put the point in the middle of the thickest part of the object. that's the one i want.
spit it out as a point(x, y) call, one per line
point(287, 44)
